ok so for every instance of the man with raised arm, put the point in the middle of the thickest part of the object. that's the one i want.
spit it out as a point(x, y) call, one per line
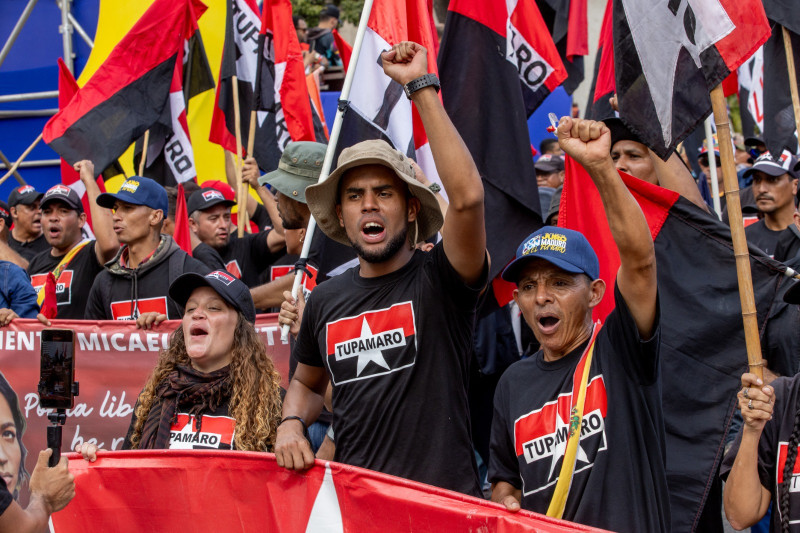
point(587, 447)
point(394, 334)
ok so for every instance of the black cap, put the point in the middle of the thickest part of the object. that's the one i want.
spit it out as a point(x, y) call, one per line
point(229, 288)
point(24, 194)
point(330, 10)
point(754, 141)
point(5, 214)
point(206, 198)
point(549, 163)
point(620, 132)
point(62, 193)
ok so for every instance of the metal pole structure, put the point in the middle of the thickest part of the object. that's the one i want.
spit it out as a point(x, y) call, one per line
point(28, 96)
point(334, 138)
point(712, 167)
point(27, 113)
point(66, 35)
point(23, 18)
point(77, 27)
point(34, 164)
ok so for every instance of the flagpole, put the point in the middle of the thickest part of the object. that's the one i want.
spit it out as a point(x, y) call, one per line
point(740, 252)
point(242, 202)
point(143, 159)
point(251, 143)
point(21, 158)
point(712, 168)
point(332, 140)
point(787, 43)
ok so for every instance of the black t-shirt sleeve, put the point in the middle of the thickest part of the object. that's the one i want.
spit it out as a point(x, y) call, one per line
point(5, 498)
point(261, 254)
point(448, 280)
point(95, 306)
point(306, 349)
point(208, 256)
point(502, 455)
point(639, 356)
point(261, 217)
point(191, 264)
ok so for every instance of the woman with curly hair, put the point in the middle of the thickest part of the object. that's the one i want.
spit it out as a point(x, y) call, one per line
point(12, 450)
point(214, 387)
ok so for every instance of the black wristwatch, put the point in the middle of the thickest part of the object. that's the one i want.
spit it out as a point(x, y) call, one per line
point(428, 80)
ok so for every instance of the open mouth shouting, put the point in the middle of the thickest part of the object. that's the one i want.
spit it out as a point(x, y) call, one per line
point(548, 323)
point(372, 232)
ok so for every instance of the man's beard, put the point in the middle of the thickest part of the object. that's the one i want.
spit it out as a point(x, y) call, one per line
point(388, 252)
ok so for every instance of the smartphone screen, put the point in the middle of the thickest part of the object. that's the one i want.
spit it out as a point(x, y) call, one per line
point(57, 372)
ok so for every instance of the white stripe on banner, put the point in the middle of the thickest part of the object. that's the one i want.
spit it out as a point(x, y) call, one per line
point(178, 148)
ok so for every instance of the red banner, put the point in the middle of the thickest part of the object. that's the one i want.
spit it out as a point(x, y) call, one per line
point(198, 491)
point(112, 362)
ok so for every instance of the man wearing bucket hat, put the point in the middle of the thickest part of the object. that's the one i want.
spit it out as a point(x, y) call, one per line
point(774, 189)
point(136, 281)
point(578, 430)
point(394, 335)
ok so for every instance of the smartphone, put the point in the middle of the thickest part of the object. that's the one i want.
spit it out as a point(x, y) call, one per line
point(57, 371)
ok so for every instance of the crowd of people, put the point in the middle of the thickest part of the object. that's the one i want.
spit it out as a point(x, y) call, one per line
point(387, 354)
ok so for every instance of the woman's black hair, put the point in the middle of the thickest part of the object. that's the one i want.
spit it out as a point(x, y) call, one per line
point(19, 422)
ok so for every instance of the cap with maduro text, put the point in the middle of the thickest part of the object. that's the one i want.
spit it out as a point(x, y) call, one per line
point(62, 193)
point(565, 248)
point(24, 194)
point(233, 291)
point(137, 190)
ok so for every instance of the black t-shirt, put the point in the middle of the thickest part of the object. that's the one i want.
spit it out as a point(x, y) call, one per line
point(247, 257)
point(5, 498)
point(619, 482)
point(208, 256)
point(261, 218)
point(72, 286)
point(772, 447)
point(30, 249)
point(217, 430)
point(759, 234)
point(397, 349)
point(788, 244)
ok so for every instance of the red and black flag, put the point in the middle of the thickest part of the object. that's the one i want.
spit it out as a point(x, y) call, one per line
point(489, 93)
point(603, 86)
point(170, 157)
point(129, 92)
point(696, 278)
point(669, 55)
point(378, 107)
point(67, 88)
point(779, 125)
point(567, 23)
point(751, 93)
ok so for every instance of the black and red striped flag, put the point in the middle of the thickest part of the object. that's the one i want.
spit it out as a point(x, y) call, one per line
point(696, 278)
point(497, 63)
point(170, 156)
point(668, 56)
point(603, 86)
point(129, 93)
point(567, 23)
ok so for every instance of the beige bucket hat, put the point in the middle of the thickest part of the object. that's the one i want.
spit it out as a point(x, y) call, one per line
point(322, 200)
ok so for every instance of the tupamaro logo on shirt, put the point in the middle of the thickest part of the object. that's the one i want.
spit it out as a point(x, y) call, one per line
point(216, 433)
point(540, 436)
point(131, 309)
point(371, 344)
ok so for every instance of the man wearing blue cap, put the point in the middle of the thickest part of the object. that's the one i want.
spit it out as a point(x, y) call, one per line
point(578, 430)
point(136, 282)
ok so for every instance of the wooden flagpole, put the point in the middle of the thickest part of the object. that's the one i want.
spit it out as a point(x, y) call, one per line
point(787, 43)
point(21, 158)
point(740, 252)
point(143, 159)
point(251, 142)
point(242, 201)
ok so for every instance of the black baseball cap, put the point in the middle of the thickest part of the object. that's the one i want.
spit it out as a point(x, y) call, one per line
point(206, 198)
point(62, 193)
point(549, 163)
point(24, 194)
point(5, 214)
point(620, 132)
point(785, 164)
point(330, 10)
point(229, 288)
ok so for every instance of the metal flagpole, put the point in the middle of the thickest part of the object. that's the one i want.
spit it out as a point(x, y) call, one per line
point(334, 138)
